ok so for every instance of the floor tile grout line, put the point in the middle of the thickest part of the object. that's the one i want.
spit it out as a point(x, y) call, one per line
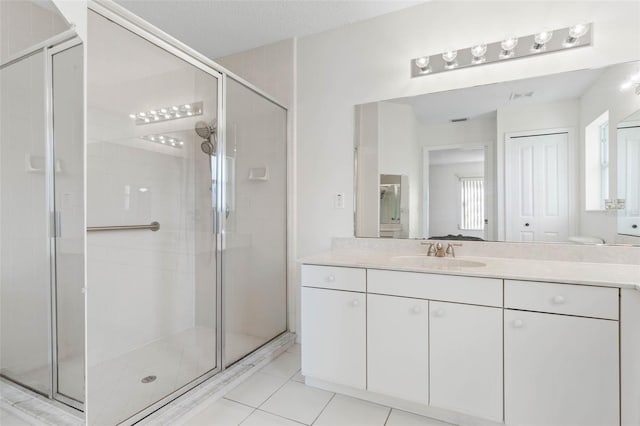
point(250, 414)
point(388, 415)
point(283, 417)
point(323, 408)
point(273, 393)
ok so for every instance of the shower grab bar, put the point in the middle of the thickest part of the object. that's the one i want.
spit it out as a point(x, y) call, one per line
point(153, 226)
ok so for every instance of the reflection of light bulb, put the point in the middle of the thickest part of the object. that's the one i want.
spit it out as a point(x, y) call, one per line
point(540, 40)
point(181, 143)
point(635, 77)
point(163, 110)
point(450, 59)
point(175, 108)
point(508, 45)
point(187, 106)
point(575, 33)
point(132, 116)
point(626, 85)
point(423, 64)
point(478, 53)
point(450, 55)
point(579, 30)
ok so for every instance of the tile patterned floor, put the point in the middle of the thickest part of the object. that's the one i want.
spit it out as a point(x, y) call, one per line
point(277, 396)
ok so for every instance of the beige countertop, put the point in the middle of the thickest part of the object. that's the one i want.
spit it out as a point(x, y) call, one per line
point(599, 274)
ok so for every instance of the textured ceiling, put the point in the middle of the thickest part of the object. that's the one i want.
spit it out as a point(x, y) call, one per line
point(221, 27)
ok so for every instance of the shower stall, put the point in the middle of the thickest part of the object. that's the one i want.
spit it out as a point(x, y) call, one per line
point(143, 220)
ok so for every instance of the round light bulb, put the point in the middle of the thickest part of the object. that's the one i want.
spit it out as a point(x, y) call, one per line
point(175, 108)
point(479, 50)
point(167, 116)
point(422, 62)
point(146, 120)
point(181, 143)
point(163, 110)
point(189, 113)
point(178, 115)
point(152, 112)
point(579, 30)
point(187, 106)
point(132, 116)
point(161, 137)
point(509, 43)
point(543, 37)
point(142, 114)
point(635, 77)
point(173, 144)
point(153, 138)
point(450, 56)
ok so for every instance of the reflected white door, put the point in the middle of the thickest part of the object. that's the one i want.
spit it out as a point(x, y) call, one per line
point(537, 187)
point(629, 180)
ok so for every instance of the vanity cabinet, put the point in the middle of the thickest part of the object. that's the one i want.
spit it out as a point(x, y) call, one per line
point(469, 350)
point(561, 370)
point(398, 347)
point(465, 347)
point(334, 325)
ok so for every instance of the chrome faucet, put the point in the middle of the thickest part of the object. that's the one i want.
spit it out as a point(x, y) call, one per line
point(438, 249)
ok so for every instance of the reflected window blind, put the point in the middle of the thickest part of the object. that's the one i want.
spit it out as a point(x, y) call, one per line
point(472, 203)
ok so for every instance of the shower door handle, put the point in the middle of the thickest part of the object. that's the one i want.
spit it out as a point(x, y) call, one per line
point(56, 224)
point(226, 212)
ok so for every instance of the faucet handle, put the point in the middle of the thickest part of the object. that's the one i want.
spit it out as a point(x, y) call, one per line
point(450, 250)
point(431, 251)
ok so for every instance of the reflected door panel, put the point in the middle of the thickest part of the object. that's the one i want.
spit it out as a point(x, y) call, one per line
point(629, 180)
point(151, 295)
point(537, 187)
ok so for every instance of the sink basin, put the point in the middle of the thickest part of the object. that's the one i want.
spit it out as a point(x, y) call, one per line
point(435, 262)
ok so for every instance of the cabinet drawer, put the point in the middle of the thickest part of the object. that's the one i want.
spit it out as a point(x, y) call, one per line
point(447, 288)
point(334, 277)
point(569, 299)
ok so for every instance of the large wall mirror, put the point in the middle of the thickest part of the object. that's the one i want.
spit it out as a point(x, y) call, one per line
point(547, 159)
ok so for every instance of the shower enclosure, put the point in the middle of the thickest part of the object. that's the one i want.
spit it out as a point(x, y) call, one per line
point(41, 202)
point(182, 231)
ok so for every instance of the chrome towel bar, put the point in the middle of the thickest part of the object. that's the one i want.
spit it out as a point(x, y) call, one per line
point(153, 226)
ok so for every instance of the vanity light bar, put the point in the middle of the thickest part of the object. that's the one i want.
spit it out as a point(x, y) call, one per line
point(579, 35)
point(167, 113)
point(164, 140)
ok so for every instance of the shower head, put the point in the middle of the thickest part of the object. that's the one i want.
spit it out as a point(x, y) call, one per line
point(206, 130)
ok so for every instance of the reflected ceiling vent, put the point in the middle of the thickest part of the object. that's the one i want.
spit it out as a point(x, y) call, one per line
point(523, 95)
point(458, 120)
point(171, 112)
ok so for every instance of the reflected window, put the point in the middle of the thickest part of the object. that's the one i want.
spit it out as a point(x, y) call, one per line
point(471, 203)
point(596, 171)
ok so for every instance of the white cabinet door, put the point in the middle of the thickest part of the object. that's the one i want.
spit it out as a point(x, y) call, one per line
point(560, 370)
point(397, 347)
point(465, 347)
point(334, 336)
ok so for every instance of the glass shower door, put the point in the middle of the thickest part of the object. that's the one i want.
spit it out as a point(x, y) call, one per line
point(255, 230)
point(151, 246)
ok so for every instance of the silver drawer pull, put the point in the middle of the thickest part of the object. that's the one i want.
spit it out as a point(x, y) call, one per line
point(558, 300)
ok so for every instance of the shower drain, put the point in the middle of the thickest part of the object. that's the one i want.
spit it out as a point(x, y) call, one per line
point(148, 379)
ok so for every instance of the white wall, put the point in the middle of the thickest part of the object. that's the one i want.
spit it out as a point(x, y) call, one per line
point(270, 68)
point(398, 154)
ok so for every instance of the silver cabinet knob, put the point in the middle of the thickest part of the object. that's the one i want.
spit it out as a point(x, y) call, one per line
point(416, 310)
point(518, 323)
point(439, 313)
point(558, 300)
point(355, 303)
point(331, 278)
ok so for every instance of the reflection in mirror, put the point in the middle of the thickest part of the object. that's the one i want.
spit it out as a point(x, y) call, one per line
point(548, 162)
point(394, 214)
point(456, 184)
point(629, 175)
